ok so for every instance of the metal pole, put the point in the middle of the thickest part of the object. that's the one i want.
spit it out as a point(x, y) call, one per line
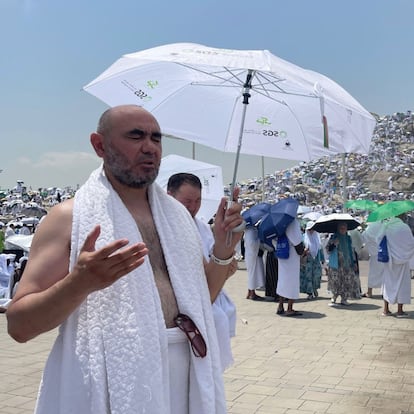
point(344, 181)
point(246, 95)
point(263, 180)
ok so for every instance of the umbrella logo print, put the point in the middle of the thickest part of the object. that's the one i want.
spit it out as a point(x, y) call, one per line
point(142, 95)
point(263, 121)
point(152, 84)
point(138, 92)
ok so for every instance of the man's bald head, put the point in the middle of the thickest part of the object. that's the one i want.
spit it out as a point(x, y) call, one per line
point(113, 115)
point(128, 139)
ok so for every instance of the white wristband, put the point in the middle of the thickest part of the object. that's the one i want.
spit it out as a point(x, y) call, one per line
point(221, 262)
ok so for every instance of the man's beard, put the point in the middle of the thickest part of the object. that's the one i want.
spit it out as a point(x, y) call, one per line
point(118, 166)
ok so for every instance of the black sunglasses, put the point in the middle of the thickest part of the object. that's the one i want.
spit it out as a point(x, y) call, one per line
point(186, 324)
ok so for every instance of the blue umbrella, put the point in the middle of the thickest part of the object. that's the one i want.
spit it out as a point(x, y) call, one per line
point(256, 213)
point(276, 221)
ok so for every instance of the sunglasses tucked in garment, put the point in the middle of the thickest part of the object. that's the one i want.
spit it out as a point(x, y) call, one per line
point(186, 324)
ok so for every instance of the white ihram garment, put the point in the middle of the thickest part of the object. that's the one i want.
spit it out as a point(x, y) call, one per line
point(254, 263)
point(224, 310)
point(288, 282)
point(112, 353)
point(397, 280)
point(372, 237)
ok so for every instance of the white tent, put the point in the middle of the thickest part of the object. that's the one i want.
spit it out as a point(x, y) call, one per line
point(210, 175)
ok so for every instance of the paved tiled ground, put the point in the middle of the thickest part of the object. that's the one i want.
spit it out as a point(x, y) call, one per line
point(331, 360)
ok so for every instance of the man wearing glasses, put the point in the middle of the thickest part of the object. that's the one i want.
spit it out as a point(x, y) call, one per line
point(119, 269)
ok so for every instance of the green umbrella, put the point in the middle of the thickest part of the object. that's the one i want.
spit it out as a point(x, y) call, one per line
point(366, 205)
point(391, 209)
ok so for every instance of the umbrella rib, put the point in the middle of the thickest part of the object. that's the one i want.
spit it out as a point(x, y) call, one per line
point(275, 82)
point(216, 75)
point(261, 88)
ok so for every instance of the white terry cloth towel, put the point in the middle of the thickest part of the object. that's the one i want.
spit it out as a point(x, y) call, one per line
point(400, 243)
point(111, 355)
point(224, 309)
point(372, 237)
point(254, 263)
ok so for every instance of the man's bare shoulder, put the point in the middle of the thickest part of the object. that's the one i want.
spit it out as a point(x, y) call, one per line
point(49, 253)
point(58, 221)
point(62, 210)
point(56, 226)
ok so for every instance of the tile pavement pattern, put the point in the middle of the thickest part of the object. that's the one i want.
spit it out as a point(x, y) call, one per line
point(330, 360)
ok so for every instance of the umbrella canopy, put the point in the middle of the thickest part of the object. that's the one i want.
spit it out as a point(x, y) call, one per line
point(365, 205)
point(391, 209)
point(210, 175)
point(201, 94)
point(34, 211)
point(312, 215)
point(276, 221)
point(30, 221)
point(255, 213)
point(18, 242)
point(304, 209)
point(329, 223)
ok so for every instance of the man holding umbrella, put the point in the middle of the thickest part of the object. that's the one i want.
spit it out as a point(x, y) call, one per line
point(119, 269)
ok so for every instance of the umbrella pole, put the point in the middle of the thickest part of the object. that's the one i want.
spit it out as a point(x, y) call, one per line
point(246, 95)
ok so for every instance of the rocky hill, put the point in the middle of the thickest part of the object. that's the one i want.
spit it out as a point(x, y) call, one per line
point(387, 172)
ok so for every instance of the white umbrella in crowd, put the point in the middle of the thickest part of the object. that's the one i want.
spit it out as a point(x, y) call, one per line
point(242, 101)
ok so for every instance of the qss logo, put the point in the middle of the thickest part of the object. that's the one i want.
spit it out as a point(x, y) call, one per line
point(273, 133)
point(142, 95)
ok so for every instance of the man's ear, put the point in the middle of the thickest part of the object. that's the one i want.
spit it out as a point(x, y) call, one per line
point(97, 144)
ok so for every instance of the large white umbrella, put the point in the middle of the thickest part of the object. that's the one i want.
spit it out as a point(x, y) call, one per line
point(242, 101)
point(210, 175)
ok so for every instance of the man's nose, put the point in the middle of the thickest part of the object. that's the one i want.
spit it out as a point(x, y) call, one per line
point(149, 145)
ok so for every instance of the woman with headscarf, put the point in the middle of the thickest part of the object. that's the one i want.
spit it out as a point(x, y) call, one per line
point(311, 263)
point(342, 279)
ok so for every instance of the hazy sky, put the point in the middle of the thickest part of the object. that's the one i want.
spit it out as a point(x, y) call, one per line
point(50, 49)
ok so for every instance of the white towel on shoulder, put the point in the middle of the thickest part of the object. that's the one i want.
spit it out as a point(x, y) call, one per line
point(112, 353)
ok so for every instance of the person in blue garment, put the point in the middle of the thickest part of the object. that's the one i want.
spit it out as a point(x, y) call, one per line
point(342, 279)
point(311, 263)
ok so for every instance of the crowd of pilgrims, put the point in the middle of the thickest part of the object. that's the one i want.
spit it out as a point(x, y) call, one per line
point(317, 184)
point(337, 256)
point(320, 182)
